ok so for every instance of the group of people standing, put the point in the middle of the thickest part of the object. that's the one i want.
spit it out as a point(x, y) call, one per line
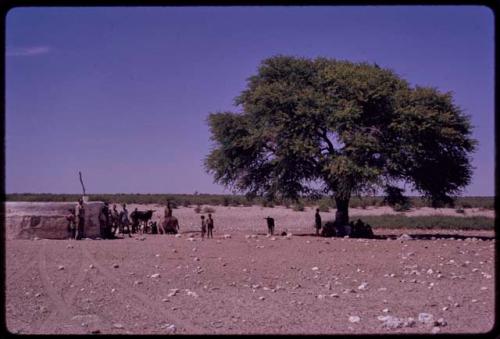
point(110, 220)
point(207, 225)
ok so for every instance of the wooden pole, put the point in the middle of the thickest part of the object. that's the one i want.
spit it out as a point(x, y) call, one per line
point(81, 181)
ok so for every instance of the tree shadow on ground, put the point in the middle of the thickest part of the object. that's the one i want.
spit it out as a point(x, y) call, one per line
point(414, 236)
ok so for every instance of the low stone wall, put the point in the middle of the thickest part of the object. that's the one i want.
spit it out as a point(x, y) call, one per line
point(47, 220)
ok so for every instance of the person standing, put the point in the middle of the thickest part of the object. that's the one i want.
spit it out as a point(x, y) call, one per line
point(270, 225)
point(317, 219)
point(203, 227)
point(80, 219)
point(71, 223)
point(168, 210)
point(114, 219)
point(135, 220)
point(104, 221)
point(210, 226)
point(125, 222)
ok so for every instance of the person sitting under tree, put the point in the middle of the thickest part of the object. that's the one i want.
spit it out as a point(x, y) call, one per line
point(317, 219)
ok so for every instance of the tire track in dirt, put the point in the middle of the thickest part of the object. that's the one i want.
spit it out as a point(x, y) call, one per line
point(65, 307)
point(148, 305)
point(15, 276)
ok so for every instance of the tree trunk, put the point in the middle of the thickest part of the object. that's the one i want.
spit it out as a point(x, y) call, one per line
point(341, 219)
point(342, 214)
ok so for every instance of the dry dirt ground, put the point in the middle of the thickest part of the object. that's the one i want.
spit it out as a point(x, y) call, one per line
point(244, 282)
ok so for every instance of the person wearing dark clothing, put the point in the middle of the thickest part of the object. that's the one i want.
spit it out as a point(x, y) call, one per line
point(71, 223)
point(270, 225)
point(203, 227)
point(104, 221)
point(80, 219)
point(135, 221)
point(317, 219)
point(210, 226)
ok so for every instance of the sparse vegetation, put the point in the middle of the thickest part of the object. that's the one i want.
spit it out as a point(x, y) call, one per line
point(187, 200)
point(208, 209)
point(299, 207)
point(324, 206)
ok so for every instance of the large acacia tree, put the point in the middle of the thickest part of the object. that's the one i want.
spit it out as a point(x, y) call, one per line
point(340, 128)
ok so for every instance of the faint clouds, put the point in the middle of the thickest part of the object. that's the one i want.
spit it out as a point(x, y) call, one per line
point(28, 51)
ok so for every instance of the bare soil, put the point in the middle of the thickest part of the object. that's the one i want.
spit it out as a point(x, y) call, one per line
point(244, 282)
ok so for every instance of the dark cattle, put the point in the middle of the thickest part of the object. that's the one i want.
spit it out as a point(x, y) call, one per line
point(141, 216)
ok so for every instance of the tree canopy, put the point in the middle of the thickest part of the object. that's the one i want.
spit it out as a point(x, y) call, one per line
point(325, 126)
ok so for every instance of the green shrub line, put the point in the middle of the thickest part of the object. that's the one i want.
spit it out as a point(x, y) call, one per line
point(427, 222)
point(240, 200)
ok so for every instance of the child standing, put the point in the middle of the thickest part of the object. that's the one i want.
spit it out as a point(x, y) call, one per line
point(203, 227)
point(210, 226)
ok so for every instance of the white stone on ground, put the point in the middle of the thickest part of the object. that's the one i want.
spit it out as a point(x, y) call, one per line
point(354, 319)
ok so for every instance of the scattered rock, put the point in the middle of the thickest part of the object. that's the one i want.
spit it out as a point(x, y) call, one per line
point(116, 265)
point(171, 328)
point(173, 291)
point(354, 319)
point(440, 322)
point(60, 267)
point(192, 294)
point(435, 330)
point(315, 268)
point(227, 236)
point(363, 286)
point(425, 318)
point(156, 275)
point(405, 237)
point(117, 325)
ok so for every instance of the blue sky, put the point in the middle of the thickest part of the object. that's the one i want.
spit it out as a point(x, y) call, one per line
point(122, 94)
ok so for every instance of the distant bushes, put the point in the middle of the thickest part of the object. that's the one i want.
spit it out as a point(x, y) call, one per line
point(299, 207)
point(324, 206)
point(208, 209)
point(188, 200)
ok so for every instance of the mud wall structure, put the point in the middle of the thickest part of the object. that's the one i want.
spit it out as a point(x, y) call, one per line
point(47, 220)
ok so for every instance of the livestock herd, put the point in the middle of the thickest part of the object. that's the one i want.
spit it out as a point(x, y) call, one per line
point(139, 222)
